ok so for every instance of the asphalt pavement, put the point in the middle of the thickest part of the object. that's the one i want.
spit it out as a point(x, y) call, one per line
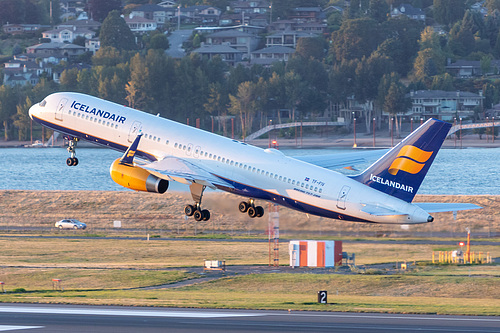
point(176, 38)
point(96, 319)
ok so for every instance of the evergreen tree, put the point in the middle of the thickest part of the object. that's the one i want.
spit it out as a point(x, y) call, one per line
point(100, 9)
point(116, 33)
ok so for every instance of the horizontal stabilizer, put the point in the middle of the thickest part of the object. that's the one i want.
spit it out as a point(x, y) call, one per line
point(378, 210)
point(438, 207)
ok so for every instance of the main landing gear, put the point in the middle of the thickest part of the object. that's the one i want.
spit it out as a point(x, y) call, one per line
point(195, 210)
point(72, 161)
point(250, 208)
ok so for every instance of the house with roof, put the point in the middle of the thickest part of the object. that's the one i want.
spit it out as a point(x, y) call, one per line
point(64, 50)
point(93, 45)
point(287, 38)
point(152, 12)
point(250, 6)
point(24, 70)
point(68, 35)
point(307, 14)
point(409, 11)
point(471, 68)
point(268, 55)
point(444, 105)
point(140, 25)
point(16, 29)
point(228, 54)
point(242, 41)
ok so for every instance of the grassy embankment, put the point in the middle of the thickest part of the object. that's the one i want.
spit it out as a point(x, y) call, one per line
point(102, 271)
point(162, 214)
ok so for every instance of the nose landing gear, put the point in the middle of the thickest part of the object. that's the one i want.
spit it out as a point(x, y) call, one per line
point(250, 208)
point(72, 161)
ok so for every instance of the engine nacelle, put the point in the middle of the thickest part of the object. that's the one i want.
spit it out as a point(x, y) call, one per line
point(136, 178)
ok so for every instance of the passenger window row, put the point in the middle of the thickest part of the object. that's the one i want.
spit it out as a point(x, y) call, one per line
point(249, 168)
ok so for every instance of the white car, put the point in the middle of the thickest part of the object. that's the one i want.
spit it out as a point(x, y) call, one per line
point(70, 224)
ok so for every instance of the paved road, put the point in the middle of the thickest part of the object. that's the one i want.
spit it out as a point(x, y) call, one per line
point(176, 39)
point(64, 318)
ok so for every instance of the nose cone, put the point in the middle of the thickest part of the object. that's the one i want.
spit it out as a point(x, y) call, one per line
point(33, 111)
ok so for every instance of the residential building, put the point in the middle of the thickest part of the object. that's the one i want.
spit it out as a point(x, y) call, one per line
point(250, 6)
point(65, 50)
point(140, 25)
point(15, 29)
point(307, 14)
point(93, 45)
point(227, 53)
point(470, 68)
point(238, 40)
point(268, 55)
point(24, 70)
point(409, 11)
point(68, 35)
point(444, 105)
point(57, 71)
point(287, 38)
point(152, 12)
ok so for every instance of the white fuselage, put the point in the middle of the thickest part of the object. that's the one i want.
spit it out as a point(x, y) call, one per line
point(254, 172)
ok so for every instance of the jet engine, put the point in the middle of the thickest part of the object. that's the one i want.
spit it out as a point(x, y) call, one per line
point(136, 178)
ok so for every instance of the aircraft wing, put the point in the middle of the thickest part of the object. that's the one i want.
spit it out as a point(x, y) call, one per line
point(173, 168)
point(438, 207)
point(342, 160)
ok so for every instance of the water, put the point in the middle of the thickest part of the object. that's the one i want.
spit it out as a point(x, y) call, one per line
point(471, 171)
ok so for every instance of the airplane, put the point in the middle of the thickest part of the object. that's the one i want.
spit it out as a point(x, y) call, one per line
point(158, 151)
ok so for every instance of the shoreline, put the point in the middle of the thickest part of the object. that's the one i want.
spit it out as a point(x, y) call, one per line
point(314, 142)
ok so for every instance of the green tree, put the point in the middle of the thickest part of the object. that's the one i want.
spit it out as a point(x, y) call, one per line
point(378, 10)
point(69, 79)
point(116, 33)
point(355, 39)
point(244, 105)
point(8, 102)
point(395, 102)
point(99, 9)
point(448, 11)
point(216, 105)
point(443, 82)
point(159, 41)
point(22, 119)
point(138, 96)
point(311, 48)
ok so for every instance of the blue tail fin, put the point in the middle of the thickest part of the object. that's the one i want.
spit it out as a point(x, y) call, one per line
point(401, 171)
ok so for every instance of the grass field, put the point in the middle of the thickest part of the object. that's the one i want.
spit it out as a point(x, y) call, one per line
point(110, 271)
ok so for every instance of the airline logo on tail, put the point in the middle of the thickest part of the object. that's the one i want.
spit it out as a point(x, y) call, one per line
point(409, 159)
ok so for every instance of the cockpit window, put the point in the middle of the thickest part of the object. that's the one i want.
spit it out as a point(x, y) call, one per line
point(42, 103)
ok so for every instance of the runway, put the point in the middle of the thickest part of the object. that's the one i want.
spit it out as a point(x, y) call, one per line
point(70, 318)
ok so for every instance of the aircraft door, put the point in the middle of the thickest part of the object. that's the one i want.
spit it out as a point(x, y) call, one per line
point(134, 130)
point(342, 196)
point(60, 108)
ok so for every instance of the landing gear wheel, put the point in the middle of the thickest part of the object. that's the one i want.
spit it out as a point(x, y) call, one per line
point(198, 216)
point(260, 211)
point(75, 161)
point(252, 212)
point(243, 206)
point(189, 210)
point(69, 161)
point(206, 214)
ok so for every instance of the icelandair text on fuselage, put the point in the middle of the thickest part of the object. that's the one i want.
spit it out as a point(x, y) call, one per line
point(97, 112)
point(391, 183)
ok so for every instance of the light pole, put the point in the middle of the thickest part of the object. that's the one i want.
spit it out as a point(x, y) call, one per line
point(373, 132)
point(486, 132)
point(411, 124)
point(455, 134)
point(392, 136)
point(271, 13)
point(492, 129)
point(179, 17)
point(354, 118)
point(460, 133)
